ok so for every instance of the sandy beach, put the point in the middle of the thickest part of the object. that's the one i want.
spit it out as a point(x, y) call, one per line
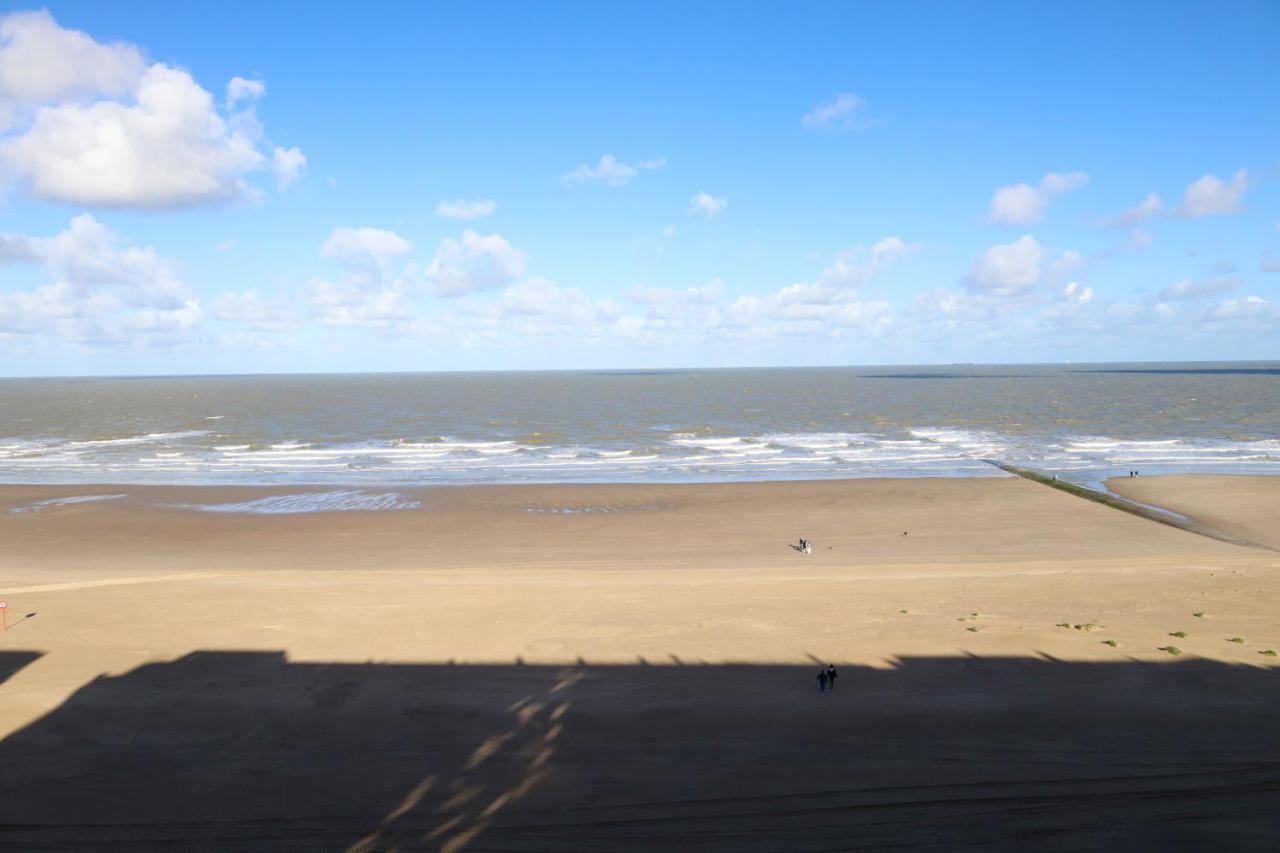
point(616, 667)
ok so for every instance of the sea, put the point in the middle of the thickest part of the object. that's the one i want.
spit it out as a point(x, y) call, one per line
point(1083, 422)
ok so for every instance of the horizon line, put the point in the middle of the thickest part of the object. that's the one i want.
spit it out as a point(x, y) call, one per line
point(635, 369)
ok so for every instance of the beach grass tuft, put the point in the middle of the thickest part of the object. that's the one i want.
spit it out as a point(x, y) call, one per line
point(1181, 635)
point(1173, 650)
point(974, 628)
point(1236, 640)
point(1199, 614)
point(1268, 652)
point(1111, 643)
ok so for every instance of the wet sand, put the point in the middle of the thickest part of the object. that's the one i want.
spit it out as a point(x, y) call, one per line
point(489, 671)
point(1245, 506)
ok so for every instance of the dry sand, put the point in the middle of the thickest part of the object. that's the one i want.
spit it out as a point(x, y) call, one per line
point(489, 672)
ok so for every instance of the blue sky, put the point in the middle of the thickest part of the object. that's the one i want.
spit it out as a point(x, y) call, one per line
point(657, 185)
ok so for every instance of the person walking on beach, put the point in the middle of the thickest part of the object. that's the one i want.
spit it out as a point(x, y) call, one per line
point(822, 681)
point(831, 675)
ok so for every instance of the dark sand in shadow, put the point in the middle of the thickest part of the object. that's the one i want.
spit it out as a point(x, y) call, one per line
point(250, 751)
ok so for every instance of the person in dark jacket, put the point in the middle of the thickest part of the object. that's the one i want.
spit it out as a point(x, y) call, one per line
point(822, 681)
point(831, 675)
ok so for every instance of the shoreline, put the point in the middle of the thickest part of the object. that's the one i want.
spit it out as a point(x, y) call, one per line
point(980, 469)
point(997, 472)
point(1123, 494)
point(891, 521)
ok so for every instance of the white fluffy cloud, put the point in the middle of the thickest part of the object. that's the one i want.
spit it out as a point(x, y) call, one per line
point(1023, 204)
point(466, 208)
point(359, 303)
point(705, 204)
point(1017, 293)
point(1189, 289)
point(1007, 269)
point(1209, 195)
point(380, 288)
point(91, 124)
point(374, 293)
point(473, 262)
point(854, 267)
point(288, 164)
point(255, 310)
point(540, 308)
point(841, 113)
point(377, 291)
point(668, 302)
point(808, 308)
point(41, 62)
point(1077, 293)
point(1247, 315)
point(360, 247)
point(98, 293)
point(242, 89)
point(829, 307)
point(611, 171)
point(1141, 212)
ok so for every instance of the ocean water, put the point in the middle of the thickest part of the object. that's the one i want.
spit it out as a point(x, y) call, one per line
point(1083, 422)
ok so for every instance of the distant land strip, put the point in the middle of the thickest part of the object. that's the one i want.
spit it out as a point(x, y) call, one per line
point(1114, 501)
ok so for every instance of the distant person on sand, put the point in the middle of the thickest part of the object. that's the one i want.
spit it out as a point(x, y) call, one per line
point(831, 675)
point(822, 681)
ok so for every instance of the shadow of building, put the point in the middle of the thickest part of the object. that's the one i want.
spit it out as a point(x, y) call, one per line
point(248, 750)
point(12, 662)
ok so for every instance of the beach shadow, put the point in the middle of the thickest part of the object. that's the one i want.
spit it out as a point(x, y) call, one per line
point(15, 623)
point(12, 662)
point(250, 750)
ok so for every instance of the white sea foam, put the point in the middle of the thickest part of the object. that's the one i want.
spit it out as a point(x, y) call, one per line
point(148, 438)
point(930, 450)
point(708, 442)
point(52, 502)
point(305, 502)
